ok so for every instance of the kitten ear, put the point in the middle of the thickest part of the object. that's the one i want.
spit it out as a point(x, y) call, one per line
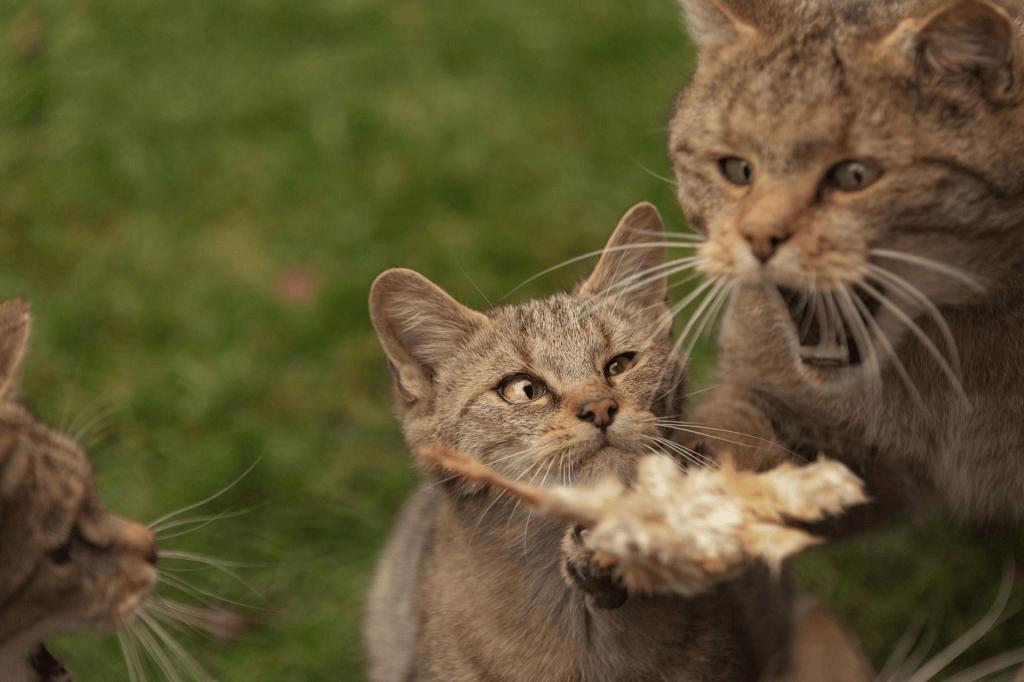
point(712, 22)
point(419, 326)
point(973, 38)
point(633, 251)
point(14, 328)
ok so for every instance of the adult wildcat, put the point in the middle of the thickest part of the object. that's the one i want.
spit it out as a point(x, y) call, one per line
point(561, 389)
point(65, 562)
point(856, 168)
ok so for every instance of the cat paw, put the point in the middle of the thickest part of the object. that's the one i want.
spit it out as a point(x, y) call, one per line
point(603, 588)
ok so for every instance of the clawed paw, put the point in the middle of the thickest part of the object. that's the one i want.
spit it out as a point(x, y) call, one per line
point(583, 571)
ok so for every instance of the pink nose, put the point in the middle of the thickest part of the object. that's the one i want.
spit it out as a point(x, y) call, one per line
point(599, 412)
point(764, 240)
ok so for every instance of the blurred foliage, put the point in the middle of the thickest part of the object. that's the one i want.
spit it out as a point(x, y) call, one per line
point(196, 196)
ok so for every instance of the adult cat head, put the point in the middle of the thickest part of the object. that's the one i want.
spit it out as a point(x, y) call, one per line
point(862, 157)
point(66, 563)
point(553, 388)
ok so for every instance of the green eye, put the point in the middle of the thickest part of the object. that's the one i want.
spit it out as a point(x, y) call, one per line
point(736, 170)
point(521, 388)
point(619, 364)
point(853, 176)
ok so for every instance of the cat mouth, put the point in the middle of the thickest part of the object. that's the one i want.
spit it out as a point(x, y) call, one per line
point(47, 667)
point(826, 336)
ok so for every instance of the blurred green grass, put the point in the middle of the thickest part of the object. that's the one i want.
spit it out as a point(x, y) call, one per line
point(196, 197)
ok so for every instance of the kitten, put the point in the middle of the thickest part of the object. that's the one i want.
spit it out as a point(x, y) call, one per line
point(857, 170)
point(561, 389)
point(66, 563)
point(472, 587)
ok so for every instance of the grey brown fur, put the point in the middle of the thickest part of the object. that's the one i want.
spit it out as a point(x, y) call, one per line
point(66, 563)
point(932, 94)
point(469, 586)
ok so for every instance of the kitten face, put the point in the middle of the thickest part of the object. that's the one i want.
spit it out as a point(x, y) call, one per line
point(551, 390)
point(68, 563)
point(833, 156)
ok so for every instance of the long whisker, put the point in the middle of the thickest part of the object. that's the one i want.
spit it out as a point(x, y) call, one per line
point(718, 297)
point(199, 521)
point(868, 352)
point(939, 662)
point(155, 525)
point(898, 656)
point(156, 653)
point(130, 656)
point(134, 647)
point(190, 664)
point(891, 352)
point(686, 453)
point(224, 567)
point(670, 181)
point(989, 667)
point(952, 374)
point(703, 431)
point(591, 254)
point(931, 265)
point(198, 592)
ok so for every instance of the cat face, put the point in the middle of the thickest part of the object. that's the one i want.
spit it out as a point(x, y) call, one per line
point(67, 563)
point(860, 159)
point(549, 390)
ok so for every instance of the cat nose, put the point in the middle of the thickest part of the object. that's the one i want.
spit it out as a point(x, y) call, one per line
point(139, 540)
point(599, 412)
point(764, 239)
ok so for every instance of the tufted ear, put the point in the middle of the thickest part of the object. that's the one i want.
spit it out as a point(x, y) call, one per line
point(419, 326)
point(631, 266)
point(713, 22)
point(967, 38)
point(14, 327)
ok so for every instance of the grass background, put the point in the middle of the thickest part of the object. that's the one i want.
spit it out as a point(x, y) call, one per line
point(196, 196)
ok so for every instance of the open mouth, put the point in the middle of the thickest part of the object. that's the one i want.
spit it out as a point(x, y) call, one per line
point(826, 335)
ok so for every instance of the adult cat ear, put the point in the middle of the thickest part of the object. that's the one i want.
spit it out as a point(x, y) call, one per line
point(630, 267)
point(14, 327)
point(418, 325)
point(713, 22)
point(967, 38)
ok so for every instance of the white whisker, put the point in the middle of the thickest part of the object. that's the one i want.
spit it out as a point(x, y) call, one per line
point(155, 525)
point(939, 662)
point(931, 265)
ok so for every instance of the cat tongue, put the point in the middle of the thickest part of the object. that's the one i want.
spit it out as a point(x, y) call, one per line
point(47, 667)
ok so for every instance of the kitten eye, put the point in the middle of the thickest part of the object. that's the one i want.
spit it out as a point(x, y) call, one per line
point(853, 176)
point(521, 388)
point(736, 170)
point(619, 364)
point(62, 554)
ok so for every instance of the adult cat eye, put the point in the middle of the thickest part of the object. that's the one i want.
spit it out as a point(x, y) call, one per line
point(736, 170)
point(619, 364)
point(853, 176)
point(521, 388)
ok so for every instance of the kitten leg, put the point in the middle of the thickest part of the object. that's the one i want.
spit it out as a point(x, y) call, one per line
point(604, 590)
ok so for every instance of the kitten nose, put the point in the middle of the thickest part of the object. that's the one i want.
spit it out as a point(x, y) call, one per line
point(599, 412)
point(764, 240)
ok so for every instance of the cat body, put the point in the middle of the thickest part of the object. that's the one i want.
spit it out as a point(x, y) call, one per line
point(66, 563)
point(563, 390)
point(856, 169)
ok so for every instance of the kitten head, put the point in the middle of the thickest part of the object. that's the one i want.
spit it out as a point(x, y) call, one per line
point(868, 152)
point(68, 563)
point(551, 389)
